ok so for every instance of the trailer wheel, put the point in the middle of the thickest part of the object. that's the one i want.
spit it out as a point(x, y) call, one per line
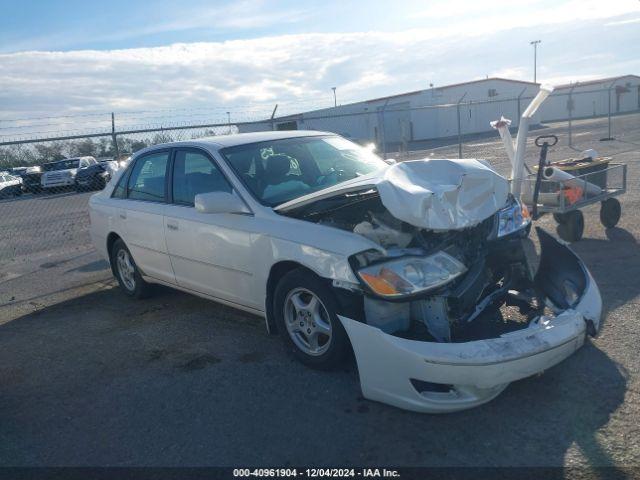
point(610, 211)
point(572, 228)
point(560, 217)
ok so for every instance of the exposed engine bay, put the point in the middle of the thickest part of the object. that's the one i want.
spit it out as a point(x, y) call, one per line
point(480, 281)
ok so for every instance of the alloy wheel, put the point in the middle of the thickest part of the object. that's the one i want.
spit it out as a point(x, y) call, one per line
point(126, 269)
point(307, 321)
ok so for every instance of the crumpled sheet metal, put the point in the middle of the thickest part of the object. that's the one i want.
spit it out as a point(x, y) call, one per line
point(440, 194)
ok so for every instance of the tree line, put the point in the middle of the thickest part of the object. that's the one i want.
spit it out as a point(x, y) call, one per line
point(25, 155)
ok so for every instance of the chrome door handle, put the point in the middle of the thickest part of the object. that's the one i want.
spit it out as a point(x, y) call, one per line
point(172, 226)
point(123, 215)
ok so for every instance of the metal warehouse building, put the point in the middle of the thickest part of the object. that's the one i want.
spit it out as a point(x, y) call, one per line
point(593, 98)
point(464, 108)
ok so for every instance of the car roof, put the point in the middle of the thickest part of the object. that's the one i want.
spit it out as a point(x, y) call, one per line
point(67, 159)
point(223, 141)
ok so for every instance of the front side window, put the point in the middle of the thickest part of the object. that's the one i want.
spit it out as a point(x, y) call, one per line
point(147, 180)
point(195, 173)
point(62, 165)
point(281, 170)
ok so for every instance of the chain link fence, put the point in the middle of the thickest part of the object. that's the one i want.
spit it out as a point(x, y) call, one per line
point(47, 178)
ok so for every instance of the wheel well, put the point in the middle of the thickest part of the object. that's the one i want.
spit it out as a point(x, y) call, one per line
point(111, 239)
point(278, 271)
point(349, 303)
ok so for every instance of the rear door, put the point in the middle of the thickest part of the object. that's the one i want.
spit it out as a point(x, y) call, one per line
point(210, 253)
point(140, 214)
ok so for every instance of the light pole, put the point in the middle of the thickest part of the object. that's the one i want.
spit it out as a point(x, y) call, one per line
point(229, 118)
point(535, 58)
point(335, 101)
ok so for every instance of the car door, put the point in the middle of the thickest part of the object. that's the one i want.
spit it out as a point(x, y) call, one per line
point(140, 214)
point(210, 253)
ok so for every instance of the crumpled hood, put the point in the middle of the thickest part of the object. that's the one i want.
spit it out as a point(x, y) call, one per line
point(436, 194)
point(442, 194)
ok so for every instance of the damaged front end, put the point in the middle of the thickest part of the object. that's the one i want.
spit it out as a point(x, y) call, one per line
point(443, 319)
point(442, 376)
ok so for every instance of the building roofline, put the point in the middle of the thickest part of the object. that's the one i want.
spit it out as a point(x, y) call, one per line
point(595, 81)
point(470, 82)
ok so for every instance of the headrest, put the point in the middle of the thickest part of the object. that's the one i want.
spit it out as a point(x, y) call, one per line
point(278, 165)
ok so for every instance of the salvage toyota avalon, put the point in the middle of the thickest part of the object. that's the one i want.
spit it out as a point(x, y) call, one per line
point(420, 267)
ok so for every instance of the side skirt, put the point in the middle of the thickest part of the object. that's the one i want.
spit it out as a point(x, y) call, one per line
point(254, 311)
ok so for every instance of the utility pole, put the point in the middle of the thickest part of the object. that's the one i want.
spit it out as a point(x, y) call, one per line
point(335, 101)
point(113, 136)
point(535, 58)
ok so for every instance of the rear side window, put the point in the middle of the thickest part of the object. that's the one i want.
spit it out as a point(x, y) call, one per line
point(195, 173)
point(121, 188)
point(147, 179)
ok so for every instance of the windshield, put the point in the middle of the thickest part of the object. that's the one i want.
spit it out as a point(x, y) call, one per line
point(277, 171)
point(62, 165)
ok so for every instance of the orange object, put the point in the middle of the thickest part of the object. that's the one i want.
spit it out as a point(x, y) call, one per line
point(572, 194)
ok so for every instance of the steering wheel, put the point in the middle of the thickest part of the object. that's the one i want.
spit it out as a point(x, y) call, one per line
point(332, 177)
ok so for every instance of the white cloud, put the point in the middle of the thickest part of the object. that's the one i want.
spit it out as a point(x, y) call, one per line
point(622, 22)
point(487, 16)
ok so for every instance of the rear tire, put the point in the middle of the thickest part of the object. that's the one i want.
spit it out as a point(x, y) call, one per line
point(560, 217)
point(127, 273)
point(610, 212)
point(305, 311)
point(572, 228)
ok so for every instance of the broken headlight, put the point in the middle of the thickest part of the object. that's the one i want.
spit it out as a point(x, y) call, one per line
point(512, 218)
point(411, 275)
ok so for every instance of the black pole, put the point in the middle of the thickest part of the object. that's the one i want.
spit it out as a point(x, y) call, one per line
point(113, 136)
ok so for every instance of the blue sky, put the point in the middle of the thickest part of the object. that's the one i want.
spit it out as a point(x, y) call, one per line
point(75, 25)
point(82, 56)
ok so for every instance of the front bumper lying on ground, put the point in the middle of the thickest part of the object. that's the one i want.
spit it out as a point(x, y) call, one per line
point(445, 377)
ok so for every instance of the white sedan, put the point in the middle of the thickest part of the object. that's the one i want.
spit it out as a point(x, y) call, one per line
point(408, 265)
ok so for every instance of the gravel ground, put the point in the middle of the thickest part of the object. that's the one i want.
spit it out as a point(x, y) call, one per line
point(90, 377)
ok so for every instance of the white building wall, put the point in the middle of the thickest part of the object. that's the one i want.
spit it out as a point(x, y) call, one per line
point(592, 99)
point(351, 121)
point(404, 118)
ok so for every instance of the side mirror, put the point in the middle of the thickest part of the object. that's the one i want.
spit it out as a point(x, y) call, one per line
point(390, 161)
point(220, 202)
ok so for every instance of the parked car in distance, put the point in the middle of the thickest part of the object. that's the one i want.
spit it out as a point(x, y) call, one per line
point(31, 179)
point(17, 171)
point(10, 185)
point(62, 173)
point(95, 177)
point(409, 265)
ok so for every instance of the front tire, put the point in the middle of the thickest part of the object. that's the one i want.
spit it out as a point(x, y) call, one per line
point(127, 272)
point(306, 311)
